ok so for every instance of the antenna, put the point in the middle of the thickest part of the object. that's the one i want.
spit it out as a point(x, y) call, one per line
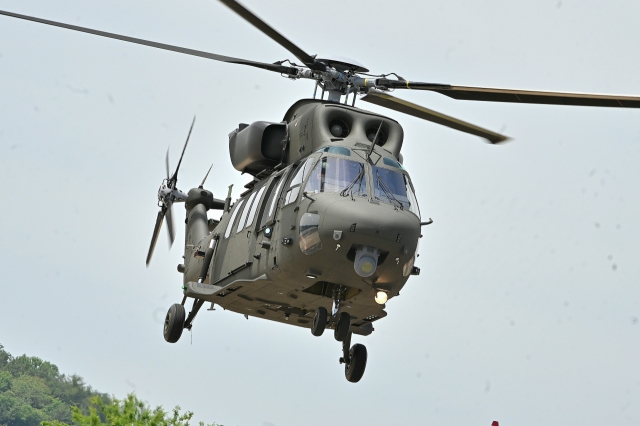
point(205, 177)
point(375, 139)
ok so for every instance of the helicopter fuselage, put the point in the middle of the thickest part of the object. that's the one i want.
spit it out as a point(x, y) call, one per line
point(338, 225)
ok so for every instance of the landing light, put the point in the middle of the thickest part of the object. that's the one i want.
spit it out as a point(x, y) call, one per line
point(381, 297)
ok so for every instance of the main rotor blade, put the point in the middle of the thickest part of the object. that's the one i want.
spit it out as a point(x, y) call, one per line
point(156, 232)
point(519, 96)
point(400, 105)
point(172, 235)
point(273, 34)
point(174, 178)
point(270, 67)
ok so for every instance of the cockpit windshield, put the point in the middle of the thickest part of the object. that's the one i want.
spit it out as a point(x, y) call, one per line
point(333, 174)
point(394, 188)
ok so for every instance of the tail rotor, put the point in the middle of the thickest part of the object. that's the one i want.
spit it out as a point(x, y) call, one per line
point(167, 195)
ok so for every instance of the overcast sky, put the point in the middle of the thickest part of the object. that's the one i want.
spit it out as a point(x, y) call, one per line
point(527, 309)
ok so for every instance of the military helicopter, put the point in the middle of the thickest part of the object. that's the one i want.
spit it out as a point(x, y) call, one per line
point(327, 230)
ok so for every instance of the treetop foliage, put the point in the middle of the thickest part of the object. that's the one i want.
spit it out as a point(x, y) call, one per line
point(127, 412)
point(33, 392)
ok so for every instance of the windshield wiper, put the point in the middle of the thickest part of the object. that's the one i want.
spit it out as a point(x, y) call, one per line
point(387, 191)
point(349, 188)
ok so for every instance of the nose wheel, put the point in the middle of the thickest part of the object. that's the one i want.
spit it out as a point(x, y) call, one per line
point(354, 360)
point(319, 321)
point(341, 328)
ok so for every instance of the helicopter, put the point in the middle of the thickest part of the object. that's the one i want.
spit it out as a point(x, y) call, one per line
point(327, 230)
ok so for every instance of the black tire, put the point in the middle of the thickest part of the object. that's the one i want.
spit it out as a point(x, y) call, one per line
point(319, 322)
point(354, 369)
point(174, 323)
point(341, 330)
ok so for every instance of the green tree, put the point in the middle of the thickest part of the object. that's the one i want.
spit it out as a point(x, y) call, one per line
point(6, 380)
point(127, 412)
point(33, 390)
point(5, 357)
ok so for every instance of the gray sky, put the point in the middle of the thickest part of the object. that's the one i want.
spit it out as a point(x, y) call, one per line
point(527, 310)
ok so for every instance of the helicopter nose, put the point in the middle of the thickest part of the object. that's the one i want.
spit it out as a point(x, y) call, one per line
point(362, 225)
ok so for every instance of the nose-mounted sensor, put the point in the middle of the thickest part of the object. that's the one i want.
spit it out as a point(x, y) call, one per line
point(366, 261)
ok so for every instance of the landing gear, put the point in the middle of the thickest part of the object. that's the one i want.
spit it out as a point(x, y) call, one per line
point(341, 328)
point(319, 322)
point(174, 323)
point(175, 320)
point(341, 321)
point(354, 360)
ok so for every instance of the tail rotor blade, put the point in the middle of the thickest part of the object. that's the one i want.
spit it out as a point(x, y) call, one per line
point(167, 164)
point(172, 235)
point(156, 232)
point(174, 178)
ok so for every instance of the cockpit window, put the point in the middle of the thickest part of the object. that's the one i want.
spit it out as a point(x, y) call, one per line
point(333, 174)
point(394, 188)
point(336, 150)
point(296, 182)
point(391, 162)
point(302, 172)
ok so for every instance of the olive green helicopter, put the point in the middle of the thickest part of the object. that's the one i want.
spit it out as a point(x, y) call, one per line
point(327, 230)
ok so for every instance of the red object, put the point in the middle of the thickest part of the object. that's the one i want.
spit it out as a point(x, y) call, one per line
point(495, 423)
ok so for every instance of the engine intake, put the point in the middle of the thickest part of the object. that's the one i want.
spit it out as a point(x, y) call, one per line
point(257, 147)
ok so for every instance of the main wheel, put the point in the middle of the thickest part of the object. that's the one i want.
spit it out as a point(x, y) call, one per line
point(319, 322)
point(342, 328)
point(174, 323)
point(354, 369)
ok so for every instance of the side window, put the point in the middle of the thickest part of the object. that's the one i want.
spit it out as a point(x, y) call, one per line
point(294, 186)
point(413, 201)
point(270, 200)
point(254, 208)
point(237, 208)
point(243, 217)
